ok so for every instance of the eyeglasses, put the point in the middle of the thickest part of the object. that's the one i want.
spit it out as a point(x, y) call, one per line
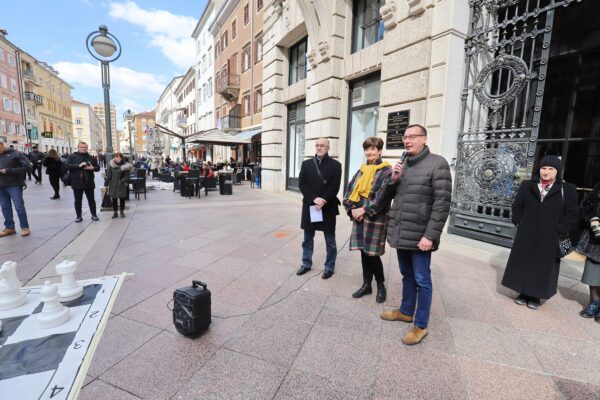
point(410, 138)
point(320, 146)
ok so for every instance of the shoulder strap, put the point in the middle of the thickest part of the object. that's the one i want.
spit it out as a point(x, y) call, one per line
point(318, 170)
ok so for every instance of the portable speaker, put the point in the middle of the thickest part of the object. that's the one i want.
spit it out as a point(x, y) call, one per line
point(191, 309)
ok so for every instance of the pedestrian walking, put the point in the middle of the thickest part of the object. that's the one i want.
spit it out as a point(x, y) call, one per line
point(421, 187)
point(82, 166)
point(366, 204)
point(37, 159)
point(589, 246)
point(319, 183)
point(544, 209)
point(54, 168)
point(117, 182)
point(13, 167)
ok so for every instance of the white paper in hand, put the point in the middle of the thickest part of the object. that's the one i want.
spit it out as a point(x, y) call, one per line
point(316, 215)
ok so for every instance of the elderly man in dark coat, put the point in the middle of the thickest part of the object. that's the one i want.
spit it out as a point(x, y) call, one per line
point(422, 187)
point(320, 178)
point(544, 209)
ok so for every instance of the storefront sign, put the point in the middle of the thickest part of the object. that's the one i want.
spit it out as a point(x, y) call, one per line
point(47, 135)
point(398, 121)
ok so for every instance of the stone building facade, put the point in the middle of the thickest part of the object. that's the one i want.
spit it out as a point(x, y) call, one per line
point(497, 83)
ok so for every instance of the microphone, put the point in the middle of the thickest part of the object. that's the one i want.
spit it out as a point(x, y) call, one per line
point(404, 157)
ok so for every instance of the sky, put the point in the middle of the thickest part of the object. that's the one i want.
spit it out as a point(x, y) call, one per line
point(155, 37)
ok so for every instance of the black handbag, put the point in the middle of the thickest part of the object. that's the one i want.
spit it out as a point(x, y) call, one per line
point(565, 247)
point(106, 201)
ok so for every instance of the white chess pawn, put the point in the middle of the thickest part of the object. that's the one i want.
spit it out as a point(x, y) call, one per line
point(10, 293)
point(68, 289)
point(53, 313)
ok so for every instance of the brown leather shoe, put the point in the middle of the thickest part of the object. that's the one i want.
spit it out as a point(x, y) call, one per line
point(414, 336)
point(7, 232)
point(25, 232)
point(395, 315)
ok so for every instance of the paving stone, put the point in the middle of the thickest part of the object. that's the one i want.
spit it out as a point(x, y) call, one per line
point(488, 381)
point(340, 355)
point(254, 379)
point(351, 314)
point(113, 348)
point(161, 366)
point(574, 390)
point(301, 385)
point(100, 390)
point(493, 343)
point(415, 372)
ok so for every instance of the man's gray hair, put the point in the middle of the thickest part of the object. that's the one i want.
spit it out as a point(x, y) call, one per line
point(322, 138)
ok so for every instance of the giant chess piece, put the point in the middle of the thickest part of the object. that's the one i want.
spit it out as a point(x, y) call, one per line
point(10, 293)
point(53, 313)
point(68, 289)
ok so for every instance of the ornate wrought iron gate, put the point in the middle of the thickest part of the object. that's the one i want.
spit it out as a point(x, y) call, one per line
point(507, 55)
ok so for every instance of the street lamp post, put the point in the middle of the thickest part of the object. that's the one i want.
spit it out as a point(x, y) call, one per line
point(106, 49)
point(128, 116)
point(28, 129)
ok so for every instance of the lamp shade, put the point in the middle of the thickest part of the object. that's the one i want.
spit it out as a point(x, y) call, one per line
point(104, 45)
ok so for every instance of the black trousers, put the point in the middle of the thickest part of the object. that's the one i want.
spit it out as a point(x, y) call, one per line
point(36, 171)
point(89, 193)
point(371, 265)
point(121, 204)
point(55, 183)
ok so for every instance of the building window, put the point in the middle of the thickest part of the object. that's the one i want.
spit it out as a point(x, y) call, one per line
point(216, 49)
point(246, 14)
point(210, 88)
point(367, 25)
point(13, 84)
point(298, 62)
point(7, 104)
point(258, 48)
point(16, 107)
point(246, 58)
point(233, 29)
point(11, 60)
point(3, 81)
point(258, 100)
point(246, 104)
point(259, 5)
point(296, 143)
point(224, 41)
point(2, 123)
point(1, 54)
point(78, 121)
point(79, 132)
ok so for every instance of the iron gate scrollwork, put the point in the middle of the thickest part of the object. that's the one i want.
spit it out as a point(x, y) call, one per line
point(507, 53)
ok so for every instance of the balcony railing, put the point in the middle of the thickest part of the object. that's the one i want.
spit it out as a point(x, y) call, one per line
point(182, 122)
point(34, 97)
point(29, 74)
point(233, 120)
point(228, 86)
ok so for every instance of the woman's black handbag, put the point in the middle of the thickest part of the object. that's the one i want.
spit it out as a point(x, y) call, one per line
point(106, 201)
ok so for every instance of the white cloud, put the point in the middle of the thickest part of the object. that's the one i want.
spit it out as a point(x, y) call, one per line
point(169, 32)
point(123, 81)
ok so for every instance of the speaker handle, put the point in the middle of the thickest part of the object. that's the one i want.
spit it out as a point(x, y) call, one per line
point(195, 284)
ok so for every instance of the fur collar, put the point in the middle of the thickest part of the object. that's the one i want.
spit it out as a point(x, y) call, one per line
point(124, 167)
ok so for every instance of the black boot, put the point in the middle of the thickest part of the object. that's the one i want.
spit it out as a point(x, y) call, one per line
point(364, 289)
point(122, 214)
point(381, 293)
point(115, 215)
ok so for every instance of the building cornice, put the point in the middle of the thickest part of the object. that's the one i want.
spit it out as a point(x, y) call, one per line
point(223, 13)
point(186, 78)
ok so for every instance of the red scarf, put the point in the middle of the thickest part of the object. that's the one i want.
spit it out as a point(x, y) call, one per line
point(545, 184)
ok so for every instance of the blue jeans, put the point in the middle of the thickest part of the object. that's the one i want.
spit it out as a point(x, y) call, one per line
point(416, 284)
point(14, 193)
point(308, 246)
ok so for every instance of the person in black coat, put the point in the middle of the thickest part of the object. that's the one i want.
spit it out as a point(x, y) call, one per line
point(53, 166)
point(589, 246)
point(544, 210)
point(319, 183)
point(82, 166)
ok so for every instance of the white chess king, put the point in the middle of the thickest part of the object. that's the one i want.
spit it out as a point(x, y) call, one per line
point(53, 313)
point(68, 289)
point(10, 287)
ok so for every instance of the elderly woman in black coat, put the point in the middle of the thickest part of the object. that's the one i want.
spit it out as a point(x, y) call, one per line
point(589, 246)
point(117, 181)
point(544, 209)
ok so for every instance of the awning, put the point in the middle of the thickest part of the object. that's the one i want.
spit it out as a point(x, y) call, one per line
point(247, 134)
point(220, 137)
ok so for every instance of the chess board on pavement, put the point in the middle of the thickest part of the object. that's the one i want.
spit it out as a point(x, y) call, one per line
point(51, 363)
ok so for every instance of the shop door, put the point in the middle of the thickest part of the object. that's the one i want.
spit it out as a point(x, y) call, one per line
point(513, 64)
point(295, 144)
